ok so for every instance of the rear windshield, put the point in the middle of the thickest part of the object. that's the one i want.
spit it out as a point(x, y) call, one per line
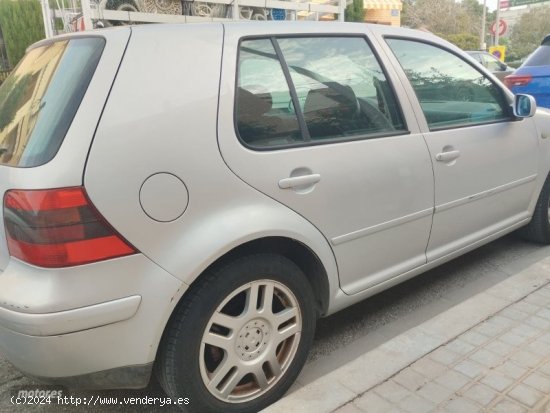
point(540, 57)
point(40, 98)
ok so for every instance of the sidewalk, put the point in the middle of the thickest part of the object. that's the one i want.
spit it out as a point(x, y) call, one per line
point(490, 353)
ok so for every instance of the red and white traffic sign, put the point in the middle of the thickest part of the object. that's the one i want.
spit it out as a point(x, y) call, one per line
point(502, 27)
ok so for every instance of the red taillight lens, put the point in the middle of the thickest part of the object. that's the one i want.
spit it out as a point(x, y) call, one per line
point(517, 80)
point(59, 228)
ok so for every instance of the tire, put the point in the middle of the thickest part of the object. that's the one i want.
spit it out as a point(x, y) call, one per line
point(538, 230)
point(121, 5)
point(253, 364)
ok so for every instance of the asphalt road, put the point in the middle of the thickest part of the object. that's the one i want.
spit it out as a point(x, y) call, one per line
point(351, 332)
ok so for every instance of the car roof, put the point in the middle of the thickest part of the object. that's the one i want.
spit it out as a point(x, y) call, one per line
point(266, 28)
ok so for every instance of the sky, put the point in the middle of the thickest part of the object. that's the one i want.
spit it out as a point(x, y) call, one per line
point(491, 4)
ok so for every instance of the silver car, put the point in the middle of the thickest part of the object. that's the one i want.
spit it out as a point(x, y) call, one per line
point(189, 199)
point(493, 64)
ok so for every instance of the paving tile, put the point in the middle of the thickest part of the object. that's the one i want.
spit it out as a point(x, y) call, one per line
point(434, 392)
point(537, 299)
point(513, 314)
point(539, 347)
point(525, 330)
point(537, 322)
point(526, 307)
point(461, 405)
point(444, 355)
point(508, 406)
point(501, 348)
point(481, 394)
point(544, 313)
point(545, 338)
point(526, 395)
point(491, 328)
point(512, 338)
point(410, 379)
point(392, 391)
point(474, 338)
point(429, 368)
point(452, 380)
point(350, 408)
point(545, 368)
point(372, 403)
point(526, 359)
point(501, 320)
point(497, 381)
point(511, 369)
point(539, 382)
point(416, 404)
point(486, 358)
point(460, 347)
point(544, 291)
point(469, 368)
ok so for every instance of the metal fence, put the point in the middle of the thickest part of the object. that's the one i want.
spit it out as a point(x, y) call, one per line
point(3, 75)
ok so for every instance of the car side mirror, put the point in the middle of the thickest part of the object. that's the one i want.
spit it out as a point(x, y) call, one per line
point(525, 106)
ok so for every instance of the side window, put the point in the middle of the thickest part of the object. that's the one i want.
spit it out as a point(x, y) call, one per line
point(342, 90)
point(265, 114)
point(451, 92)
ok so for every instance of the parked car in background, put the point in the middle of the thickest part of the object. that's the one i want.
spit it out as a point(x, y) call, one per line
point(492, 63)
point(197, 225)
point(533, 76)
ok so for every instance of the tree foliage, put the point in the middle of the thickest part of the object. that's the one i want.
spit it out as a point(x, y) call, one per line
point(21, 24)
point(465, 41)
point(445, 17)
point(10, 98)
point(529, 31)
point(354, 12)
point(458, 22)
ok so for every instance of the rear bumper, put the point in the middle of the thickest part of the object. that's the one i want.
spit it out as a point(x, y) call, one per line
point(70, 321)
point(94, 326)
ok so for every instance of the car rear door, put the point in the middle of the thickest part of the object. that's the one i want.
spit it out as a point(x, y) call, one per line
point(485, 161)
point(313, 121)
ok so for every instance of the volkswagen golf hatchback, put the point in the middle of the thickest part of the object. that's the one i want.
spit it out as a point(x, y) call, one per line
point(188, 199)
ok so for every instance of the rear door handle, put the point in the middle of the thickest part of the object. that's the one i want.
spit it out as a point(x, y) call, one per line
point(447, 156)
point(302, 180)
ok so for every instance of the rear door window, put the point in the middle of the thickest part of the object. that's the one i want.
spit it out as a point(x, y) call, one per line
point(341, 87)
point(311, 90)
point(40, 98)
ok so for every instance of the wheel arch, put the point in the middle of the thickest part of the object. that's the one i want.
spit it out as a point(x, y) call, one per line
point(297, 252)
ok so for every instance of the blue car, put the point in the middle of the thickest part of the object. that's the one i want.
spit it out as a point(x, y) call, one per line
point(533, 76)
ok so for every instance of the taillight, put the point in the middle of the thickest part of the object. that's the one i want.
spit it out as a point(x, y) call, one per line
point(517, 80)
point(59, 228)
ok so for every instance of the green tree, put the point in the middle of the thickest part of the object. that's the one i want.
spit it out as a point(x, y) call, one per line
point(529, 31)
point(21, 24)
point(10, 98)
point(354, 12)
point(465, 41)
point(445, 17)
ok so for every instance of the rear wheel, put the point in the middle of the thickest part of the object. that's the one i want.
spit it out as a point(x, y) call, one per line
point(240, 336)
point(538, 229)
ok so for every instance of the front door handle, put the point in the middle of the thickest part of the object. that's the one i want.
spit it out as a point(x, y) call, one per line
point(447, 156)
point(303, 180)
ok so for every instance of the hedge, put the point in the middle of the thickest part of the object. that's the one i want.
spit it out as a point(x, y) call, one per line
point(21, 24)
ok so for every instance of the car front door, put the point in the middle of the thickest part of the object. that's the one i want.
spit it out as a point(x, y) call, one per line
point(313, 122)
point(485, 160)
